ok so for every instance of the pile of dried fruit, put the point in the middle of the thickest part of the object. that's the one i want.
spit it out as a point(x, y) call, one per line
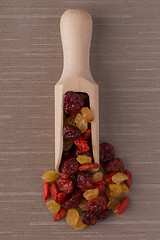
point(85, 192)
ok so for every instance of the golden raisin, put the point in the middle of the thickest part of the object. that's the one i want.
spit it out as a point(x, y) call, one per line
point(72, 217)
point(83, 159)
point(113, 194)
point(83, 205)
point(87, 114)
point(98, 176)
point(115, 188)
point(67, 145)
point(113, 204)
point(80, 225)
point(50, 176)
point(124, 188)
point(119, 177)
point(53, 206)
point(91, 193)
point(81, 123)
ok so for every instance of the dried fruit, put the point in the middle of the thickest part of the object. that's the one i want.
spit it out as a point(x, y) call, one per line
point(80, 225)
point(108, 178)
point(69, 121)
point(123, 205)
point(83, 159)
point(119, 177)
point(115, 190)
point(67, 145)
point(46, 191)
point(89, 166)
point(98, 176)
point(54, 191)
point(115, 166)
point(53, 206)
point(65, 185)
point(85, 98)
point(103, 215)
point(65, 175)
point(106, 152)
point(98, 204)
point(50, 176)
point(100, 185)
point(86, 134)
point(87, 114)
point(72, 217)
point(83, 205)
point(84, 180)
point(88, 218)
point(69, 165)
point(124, 188)
point(107, 195)
point(129, 181)
point(72, 103)
point(71, 133)
point(73, 199)
point(81, 123)
point(61, 214)
point(73, 177)
point(81, 144)
point(61, 197)
point(91, 193)
point(79, 152)
point(113, 204)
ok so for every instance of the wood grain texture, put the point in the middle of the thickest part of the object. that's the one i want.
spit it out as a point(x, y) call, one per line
point(125, 62)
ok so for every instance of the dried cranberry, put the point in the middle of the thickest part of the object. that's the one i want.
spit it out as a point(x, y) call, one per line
point(100, 185)
point(73, 199)
point(65, 185)
point(85, 99)
point(107, 195)
point(88, 218)
point(103, 215)
point(79, 152)
point(71, 133)
point(115, 166)
point(73, 177)
point(106, 152)
point(69, 165)
point(98, 204)
point(73, 102)
point(84, 180)
point(67, 154)
point(65, 175)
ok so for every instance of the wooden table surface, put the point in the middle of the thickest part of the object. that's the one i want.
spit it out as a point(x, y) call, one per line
point(125, 62)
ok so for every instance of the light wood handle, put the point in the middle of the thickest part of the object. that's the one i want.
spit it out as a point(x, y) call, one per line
point(76, 31)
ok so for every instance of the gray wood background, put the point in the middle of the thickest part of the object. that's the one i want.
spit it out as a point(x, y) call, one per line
point(125, 62)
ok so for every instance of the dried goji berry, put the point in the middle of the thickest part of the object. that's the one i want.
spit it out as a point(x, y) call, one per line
point(82, 144)
point(61, 197)
point(61, 214)
point(54, 191)
point(100, 185)
point(65, 185)
point(123, 205)
point(46, 191)
point(89, 166)
point(86, 134)
point(109, 177)
point(129, 181)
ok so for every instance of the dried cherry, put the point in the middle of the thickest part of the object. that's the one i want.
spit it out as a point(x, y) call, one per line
point(106, 152)
point(114, 166)
point(84, 180)
point(65, 185)
point(103, 215)
point(69, 165)
point(73, 199)
point(71, 133)
point(98, 204)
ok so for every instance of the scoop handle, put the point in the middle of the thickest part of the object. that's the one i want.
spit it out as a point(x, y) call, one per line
point(76, 32)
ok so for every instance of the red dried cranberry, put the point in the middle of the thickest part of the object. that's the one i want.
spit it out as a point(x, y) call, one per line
point(71, 132)
point(107, 195)
point(115, 166)
point(84, 180)
point(103, 215)
point(73, 177)
point(79, 152)
point(72, 103)
point(69, 165)
point(106, 152)
point(88, 218)
point(85, 99)
point(65, 185)
point(73, 199)
point(98, 204)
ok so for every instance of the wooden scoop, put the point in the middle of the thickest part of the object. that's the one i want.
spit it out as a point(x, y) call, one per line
point(76, 31)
